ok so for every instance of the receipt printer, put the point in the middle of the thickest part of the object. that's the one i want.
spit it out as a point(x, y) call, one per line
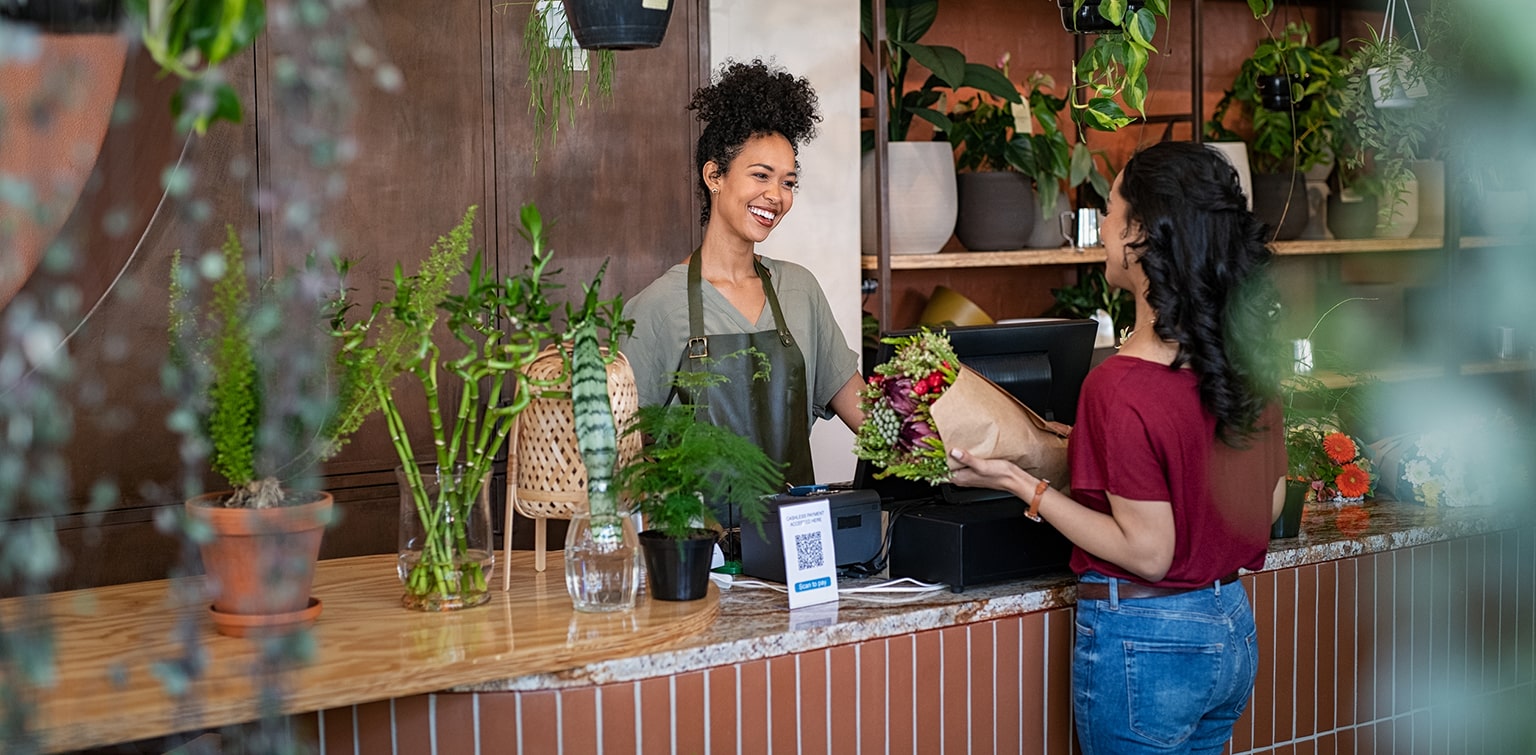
point(855, 531)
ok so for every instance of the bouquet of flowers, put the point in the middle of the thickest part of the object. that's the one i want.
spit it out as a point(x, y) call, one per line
point(1329, 460)
point(924, 397)
point(1453, 466)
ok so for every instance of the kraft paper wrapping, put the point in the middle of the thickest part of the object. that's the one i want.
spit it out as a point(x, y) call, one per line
point(978, 416)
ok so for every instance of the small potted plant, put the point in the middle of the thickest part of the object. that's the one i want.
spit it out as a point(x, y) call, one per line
point(1379, 138)
point(689, 474)
point(1288, 91)
point(255, 402)
point(922, 217)
point(992, 187)
point(1054, 162)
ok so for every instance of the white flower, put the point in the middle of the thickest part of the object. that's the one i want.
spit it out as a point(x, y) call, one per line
point(1416, 472)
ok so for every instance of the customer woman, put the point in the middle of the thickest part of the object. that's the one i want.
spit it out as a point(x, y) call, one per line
point(1177, 463)
point(706, 312)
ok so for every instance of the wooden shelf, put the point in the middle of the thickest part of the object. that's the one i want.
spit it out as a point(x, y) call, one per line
point(1069, 255)
point(1405, 372)
point(1066, 255)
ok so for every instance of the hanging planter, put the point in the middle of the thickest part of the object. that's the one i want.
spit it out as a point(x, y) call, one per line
point(1089, 19)
point(618, 24)
point(1278, 92)
point(65, 16)
point(1394, 83)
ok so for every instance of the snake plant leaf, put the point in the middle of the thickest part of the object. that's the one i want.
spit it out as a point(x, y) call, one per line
point(596, 436)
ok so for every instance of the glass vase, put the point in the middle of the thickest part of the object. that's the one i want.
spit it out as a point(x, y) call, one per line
point(602, 563)
point(446, 557)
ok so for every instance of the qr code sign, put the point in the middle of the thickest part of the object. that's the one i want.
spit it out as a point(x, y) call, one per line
point(808, 550)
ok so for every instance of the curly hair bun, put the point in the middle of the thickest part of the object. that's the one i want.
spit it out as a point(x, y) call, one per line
point(757, 98)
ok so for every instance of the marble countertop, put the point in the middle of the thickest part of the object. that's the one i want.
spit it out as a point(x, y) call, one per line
point(756, 623)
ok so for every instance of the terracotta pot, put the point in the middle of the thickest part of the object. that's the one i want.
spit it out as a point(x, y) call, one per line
point(261, 562)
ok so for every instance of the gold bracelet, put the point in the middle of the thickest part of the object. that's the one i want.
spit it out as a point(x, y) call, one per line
point(1033, 512)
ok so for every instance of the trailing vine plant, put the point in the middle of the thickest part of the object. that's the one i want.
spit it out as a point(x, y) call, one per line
point(553, 60)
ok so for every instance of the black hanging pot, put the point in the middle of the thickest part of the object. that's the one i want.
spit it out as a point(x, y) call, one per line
point(65, 16)
point(677, 569)
point(1088, 19)
point(1276, 90)
point(618, 24)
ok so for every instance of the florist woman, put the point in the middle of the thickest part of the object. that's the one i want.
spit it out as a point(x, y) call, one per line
point(1177, 463)
point(706, 313)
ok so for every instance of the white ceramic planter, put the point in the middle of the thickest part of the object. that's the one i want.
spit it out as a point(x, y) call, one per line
point(1401, 224)
point(923, 200)
point(1237, 154)
point(1431, 178)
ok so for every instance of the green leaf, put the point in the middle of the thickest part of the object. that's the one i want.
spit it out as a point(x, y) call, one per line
point(947, 63)
point(991, 81)
point(1113, 10)
point(1142, 28)
point(940, 121)
point(1082, 164)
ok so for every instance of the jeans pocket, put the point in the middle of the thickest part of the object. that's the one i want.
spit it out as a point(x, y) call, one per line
point(1170, 687)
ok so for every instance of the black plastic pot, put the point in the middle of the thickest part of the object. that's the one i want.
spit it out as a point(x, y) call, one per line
point(1280, 200)
point(65, 16)
point(1088, 19)
point(1351, 220)
point(1275, 92)
point(677, 569)
point(1289, 523)
point(997, 210)
point(618, 24)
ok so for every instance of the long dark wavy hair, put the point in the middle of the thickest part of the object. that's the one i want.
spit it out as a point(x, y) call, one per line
point(748, 100)
point(1207, 265)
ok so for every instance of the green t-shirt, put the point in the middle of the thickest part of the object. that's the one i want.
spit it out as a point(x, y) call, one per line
point(661, 331)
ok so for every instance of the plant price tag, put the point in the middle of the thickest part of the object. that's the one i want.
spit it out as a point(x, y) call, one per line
point(810, 567)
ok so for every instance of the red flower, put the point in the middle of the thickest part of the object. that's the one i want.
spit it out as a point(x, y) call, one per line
point(1339, 447)
point(1352, 481)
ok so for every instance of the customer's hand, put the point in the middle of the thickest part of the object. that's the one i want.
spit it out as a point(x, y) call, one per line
point(979, 472)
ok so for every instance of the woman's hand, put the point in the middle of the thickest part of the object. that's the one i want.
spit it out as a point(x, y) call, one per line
point(997, 474)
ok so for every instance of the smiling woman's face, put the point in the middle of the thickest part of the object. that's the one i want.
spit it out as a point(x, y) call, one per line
point(758, 190)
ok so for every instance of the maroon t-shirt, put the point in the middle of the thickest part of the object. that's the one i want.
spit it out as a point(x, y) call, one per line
point(1141, 433)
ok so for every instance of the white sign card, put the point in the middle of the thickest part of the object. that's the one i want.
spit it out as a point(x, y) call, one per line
point(810, 566)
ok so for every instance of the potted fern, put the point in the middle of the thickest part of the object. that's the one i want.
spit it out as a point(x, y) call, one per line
point(688, 475)
point(256, 404)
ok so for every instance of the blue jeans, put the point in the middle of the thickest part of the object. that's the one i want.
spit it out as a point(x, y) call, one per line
point(1162, 675)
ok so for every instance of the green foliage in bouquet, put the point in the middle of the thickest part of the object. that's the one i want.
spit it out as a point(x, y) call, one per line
point(898, 432)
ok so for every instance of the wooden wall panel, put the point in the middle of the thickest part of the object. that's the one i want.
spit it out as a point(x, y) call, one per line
point(618, 185)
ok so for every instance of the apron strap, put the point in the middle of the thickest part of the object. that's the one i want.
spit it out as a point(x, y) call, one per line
point(765, 276)
point(698, 343)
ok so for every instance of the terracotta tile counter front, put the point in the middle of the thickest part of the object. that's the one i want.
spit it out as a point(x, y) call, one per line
point(1377, 627)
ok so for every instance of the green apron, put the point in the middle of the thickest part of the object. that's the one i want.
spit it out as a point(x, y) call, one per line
point(772, 413)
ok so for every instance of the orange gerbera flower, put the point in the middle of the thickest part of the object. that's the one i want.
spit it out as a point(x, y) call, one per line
point(1339, 447)
point(1352, 481)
